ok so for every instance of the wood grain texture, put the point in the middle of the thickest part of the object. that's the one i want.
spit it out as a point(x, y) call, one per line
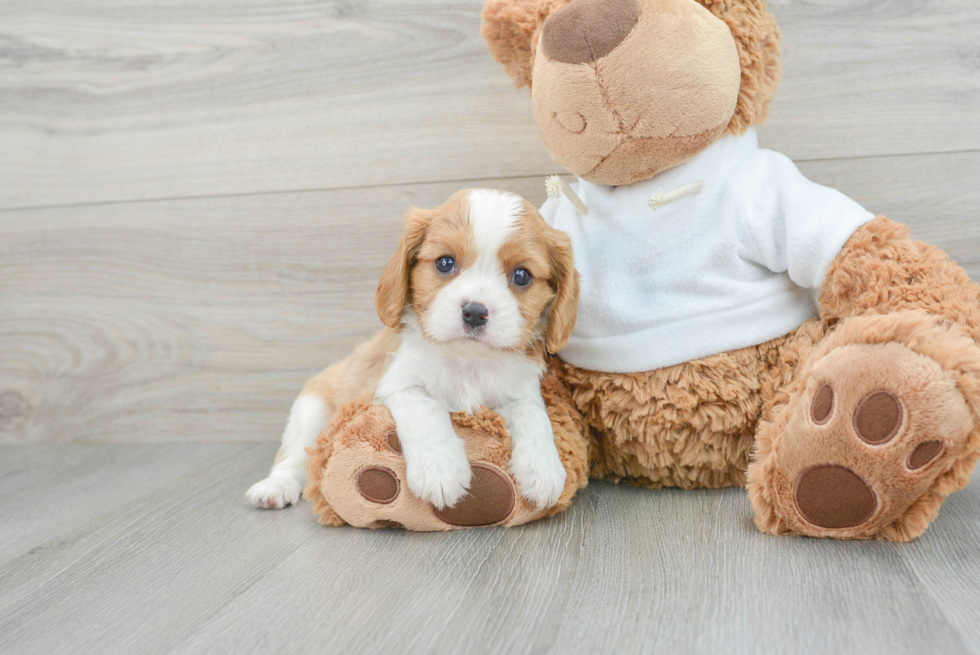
point(140, 577)
point(200, 319)
point(111, 100)
point(77, 485)
point(627, 570)
point(947, 563)
point(189, 567)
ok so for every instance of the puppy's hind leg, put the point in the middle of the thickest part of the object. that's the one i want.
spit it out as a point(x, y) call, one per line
point(307, 418)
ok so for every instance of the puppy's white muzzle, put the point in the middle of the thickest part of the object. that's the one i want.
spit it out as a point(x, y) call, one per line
point(476, 306)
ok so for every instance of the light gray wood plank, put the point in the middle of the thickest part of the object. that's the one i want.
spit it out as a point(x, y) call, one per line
point(947, 562)
point(690, 570)
point(47, 489)
point(200, 319)
point(626, 570)
point(113, 100)
point(875, 78)
point(191, 568)
point(141, 578)
point(166, 320)
point(933, 195)
point(482, 591)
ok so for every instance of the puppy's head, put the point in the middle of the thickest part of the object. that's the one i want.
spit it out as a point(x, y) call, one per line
point(482, 271)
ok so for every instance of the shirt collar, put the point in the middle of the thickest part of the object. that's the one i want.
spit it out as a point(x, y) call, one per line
point(710, 165)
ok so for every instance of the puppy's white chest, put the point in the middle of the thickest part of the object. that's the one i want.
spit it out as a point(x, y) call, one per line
point(458, 380)
point(463, 386)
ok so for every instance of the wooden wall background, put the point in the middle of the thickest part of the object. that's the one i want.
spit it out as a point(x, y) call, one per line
point(196, 198)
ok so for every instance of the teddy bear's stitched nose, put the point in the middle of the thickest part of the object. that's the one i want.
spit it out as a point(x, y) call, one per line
point(588, 29)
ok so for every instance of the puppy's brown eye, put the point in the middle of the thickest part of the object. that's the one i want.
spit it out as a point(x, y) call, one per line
point(445, 264)
point(522, 277)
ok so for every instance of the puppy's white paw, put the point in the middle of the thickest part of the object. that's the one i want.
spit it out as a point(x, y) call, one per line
point(539, 474)
point(439, 474)
point(275, 492)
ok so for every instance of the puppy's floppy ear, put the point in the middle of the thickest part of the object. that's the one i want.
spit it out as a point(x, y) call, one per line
point(512, 28)
point(395, 283)
point(564, 277)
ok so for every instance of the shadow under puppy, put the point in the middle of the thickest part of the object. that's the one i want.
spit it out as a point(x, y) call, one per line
point(480, 289)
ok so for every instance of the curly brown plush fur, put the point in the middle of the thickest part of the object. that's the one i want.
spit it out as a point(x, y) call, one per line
point(882, 270)
point(757, 37)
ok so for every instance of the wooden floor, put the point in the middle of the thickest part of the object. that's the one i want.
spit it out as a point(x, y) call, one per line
point(126, 548)
point(196, 199)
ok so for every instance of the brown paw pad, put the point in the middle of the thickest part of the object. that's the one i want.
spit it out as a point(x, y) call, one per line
point(393, 442)
point(385, 523)
point(377, 484)
point(832, 496)
point(490, 500)
point(924, 453)
point(823, 404)
point(878, 417)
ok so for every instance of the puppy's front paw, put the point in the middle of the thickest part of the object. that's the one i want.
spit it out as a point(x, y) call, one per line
point(275, 492)
point(439, 474)
point(540, 475)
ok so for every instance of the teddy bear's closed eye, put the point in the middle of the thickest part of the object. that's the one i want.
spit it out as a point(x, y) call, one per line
point(572, 121)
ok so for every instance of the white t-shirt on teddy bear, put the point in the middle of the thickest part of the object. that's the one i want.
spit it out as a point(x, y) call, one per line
point(732, 266)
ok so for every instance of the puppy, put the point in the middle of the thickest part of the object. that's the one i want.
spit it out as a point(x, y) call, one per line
point(479, 289)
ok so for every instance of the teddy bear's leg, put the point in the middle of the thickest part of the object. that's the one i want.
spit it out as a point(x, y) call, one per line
point(357, 470)
point(877, 429)
point(690, 426)
point(357, 475)
point(877, 426)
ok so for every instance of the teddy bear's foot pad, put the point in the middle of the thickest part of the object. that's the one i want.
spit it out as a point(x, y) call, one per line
point(490, 499)
point(832, 496)
point(875, 426)
point(378, 484)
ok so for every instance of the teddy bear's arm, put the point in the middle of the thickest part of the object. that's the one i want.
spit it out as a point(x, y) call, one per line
point(880, 269)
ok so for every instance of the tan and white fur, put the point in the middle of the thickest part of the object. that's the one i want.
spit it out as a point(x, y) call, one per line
point(434, 357)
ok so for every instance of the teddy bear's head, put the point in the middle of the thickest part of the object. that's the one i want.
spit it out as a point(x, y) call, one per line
point(625, 89)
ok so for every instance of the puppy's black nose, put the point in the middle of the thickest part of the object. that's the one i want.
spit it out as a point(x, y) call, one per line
point(475, 314)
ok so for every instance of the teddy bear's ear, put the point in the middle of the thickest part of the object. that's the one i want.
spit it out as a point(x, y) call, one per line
point(512, 28)
point(757, 38)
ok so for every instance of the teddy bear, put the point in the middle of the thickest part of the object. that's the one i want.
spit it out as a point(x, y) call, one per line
point(738, 324)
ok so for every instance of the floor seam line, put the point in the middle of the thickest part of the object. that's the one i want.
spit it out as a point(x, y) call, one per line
point(218, 196)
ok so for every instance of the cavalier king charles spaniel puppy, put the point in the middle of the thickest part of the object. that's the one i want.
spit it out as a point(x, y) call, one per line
point(479, 290)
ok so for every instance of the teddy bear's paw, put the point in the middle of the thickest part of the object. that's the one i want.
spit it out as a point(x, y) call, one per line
point(367, 485)
point(274, 492)
point(874, 427)
point(490, 499)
